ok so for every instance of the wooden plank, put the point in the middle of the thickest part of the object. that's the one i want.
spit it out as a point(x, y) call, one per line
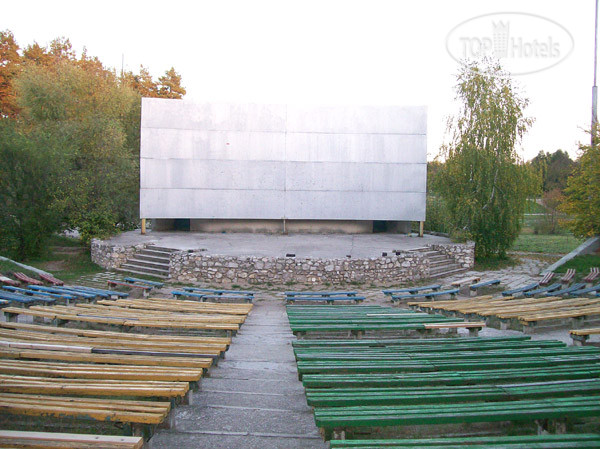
point(43, 440)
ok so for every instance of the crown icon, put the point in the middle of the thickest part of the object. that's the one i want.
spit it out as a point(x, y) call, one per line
point(500, 33)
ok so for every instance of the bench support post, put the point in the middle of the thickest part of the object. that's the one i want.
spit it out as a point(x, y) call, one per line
point(338, 434)
point(421, 228)
point(143, 226)
point(474, 331)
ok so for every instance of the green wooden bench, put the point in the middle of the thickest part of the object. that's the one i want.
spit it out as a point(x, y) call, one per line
point(409, 342)
point(450, 395)
point(458, 377)
point(453, 362)
point(335, 421)
point(560, 441)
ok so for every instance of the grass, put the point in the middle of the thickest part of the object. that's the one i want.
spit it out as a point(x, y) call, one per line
point(494, 263)
point(6, 268)
point(549, 244)
point(66, 265)
point(581, 263)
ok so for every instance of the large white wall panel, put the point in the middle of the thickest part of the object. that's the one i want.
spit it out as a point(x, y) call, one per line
point(275, 161)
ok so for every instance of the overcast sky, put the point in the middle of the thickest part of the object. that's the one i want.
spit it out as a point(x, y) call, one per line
point(341, 52)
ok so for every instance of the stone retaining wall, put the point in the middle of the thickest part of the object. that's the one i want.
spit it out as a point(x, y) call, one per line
point(191, 267)
point(111, 256)
point(197, 267)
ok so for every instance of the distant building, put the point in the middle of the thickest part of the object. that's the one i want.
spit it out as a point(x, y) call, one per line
point(274, 168)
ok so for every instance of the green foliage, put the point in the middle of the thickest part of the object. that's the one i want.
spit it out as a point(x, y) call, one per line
point(96, 119)
point(84, 123)
point(28, 174)
point(437, 215)
point(554, 169)
point(582, 194)
point(483, 182)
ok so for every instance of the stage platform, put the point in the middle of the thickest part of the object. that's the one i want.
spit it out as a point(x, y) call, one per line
point(317, 246)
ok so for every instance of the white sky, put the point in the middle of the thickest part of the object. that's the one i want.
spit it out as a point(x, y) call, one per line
point(325, 52)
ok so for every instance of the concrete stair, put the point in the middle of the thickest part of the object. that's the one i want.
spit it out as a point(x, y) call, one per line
point(440, 264)
point(151, 261)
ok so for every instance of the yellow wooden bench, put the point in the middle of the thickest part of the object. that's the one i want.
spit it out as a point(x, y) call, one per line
point(59, 317)
point(581, 336)
point(50, 440)
point(99, 371)
point(92, 387)
point(133, 413)
point(81, 355)
point(121, 336)
point(181, 305)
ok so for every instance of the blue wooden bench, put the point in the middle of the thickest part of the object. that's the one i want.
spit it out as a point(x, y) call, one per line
point(145, 289)
point(61, 290)
point(187, 294)
point(538, 291)
point(474, 287)
point(25, 299)
point(212, 291)
point(568, 290)
point(412, 290)
point(585, 291)
point(427, 295)
point(228, 298)
point(522, 289)
point(29, 292)
point(322, 294)
point(99, 291)
point(131, 280)
point(207, 296)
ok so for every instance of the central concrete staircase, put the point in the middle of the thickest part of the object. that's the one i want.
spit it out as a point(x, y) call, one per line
point(151, 261)
point(440, 264)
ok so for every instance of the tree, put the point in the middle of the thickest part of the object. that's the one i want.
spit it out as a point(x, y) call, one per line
point(9, 68)
point(91, 113)
point(28, 176)
point(582, 194)
point(170, 85)
point(483, 182)
point(554, 168)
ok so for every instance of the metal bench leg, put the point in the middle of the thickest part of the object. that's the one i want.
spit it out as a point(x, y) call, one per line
point(474, 331)
point(542, 426)
point(338, 434)
point(580, 340)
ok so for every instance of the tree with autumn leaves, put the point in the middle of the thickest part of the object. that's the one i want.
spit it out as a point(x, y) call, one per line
point(69, 143)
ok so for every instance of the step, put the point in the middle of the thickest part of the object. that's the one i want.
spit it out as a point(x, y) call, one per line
point(442, 268)
point(159, 254)
point(161, 276)
point(437, 263)
point(151, 258)
point(162, 249)
point(447, 273)
point(149, 264)
point(130, 267)
point(436, 257)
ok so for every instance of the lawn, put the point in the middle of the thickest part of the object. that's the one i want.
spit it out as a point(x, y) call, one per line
point(582, 264)
point(550, 244)
point(66, 259)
